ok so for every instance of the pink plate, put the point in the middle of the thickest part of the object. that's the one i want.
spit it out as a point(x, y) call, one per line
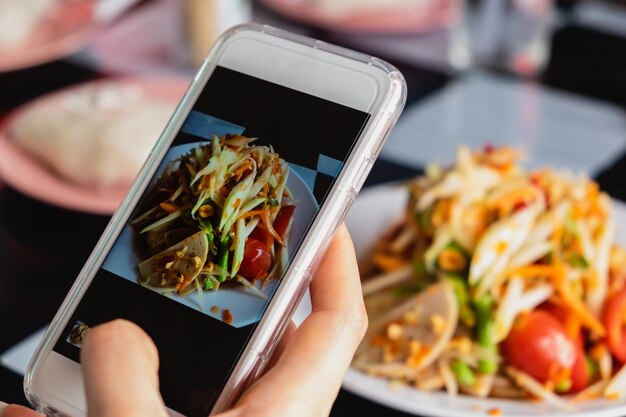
point(424, 15)
point(64, 29)
point(26, 174)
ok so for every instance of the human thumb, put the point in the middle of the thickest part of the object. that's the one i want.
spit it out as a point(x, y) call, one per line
point(120, 366)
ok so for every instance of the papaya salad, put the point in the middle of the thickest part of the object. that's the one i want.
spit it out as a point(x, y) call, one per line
point(219, 214)
point(499, 282)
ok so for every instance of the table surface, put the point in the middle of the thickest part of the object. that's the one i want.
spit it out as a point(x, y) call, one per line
point(43, 247)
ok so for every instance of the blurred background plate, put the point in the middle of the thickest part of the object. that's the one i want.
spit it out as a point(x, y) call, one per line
point(393, 17)
point(28, 175)
point(63, 29)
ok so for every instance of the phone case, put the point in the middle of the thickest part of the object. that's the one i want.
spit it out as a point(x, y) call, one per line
point(300, 272)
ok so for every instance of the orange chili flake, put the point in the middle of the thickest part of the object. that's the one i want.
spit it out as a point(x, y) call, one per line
point(169, 208)
point(501, 247)
point(227, 316)
point(614, 396)
point(494, 412)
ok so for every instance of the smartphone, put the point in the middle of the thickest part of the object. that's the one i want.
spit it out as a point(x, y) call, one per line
point(218, 238)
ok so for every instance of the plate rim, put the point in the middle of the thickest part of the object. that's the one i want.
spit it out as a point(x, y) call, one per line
point(83, 198)
point(307, 14)
point(15, 58)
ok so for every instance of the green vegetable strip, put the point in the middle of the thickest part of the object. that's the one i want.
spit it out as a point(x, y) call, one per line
point(485, 327)
point(235, 197)
point(463, 372)
point(578, 261)
point(250, 205)
point(461, 291)
point(222, 257)
point(209, 283)
point(593, 369)
point(162, 221)
point(239, 243)
point(207, 227)
point(563, 386)
point(258, 184)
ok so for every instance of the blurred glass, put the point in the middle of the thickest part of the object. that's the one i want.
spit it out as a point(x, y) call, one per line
point(207, 19)
point(508, 35)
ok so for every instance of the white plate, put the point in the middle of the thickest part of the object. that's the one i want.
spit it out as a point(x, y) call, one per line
point(376, 208)
point(244, 307)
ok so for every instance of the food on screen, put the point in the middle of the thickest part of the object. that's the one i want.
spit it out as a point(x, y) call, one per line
point(500, 282)
point(219, 214)
point(78, 333)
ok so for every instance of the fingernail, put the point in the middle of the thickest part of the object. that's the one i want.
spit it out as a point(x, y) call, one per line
point(3, 405)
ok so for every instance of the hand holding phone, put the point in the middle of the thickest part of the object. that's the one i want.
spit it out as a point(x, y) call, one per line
point(219, 236)
point(120, 362)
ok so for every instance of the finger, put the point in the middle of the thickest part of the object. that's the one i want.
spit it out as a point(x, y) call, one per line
point(309, 372)
point(12, 410)
point(282, 345)
point(336, 286)
point(120, 365)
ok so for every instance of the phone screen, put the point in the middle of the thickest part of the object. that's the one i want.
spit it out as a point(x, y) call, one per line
point(207, 245)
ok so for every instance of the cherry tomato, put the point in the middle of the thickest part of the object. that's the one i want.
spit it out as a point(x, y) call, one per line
point(282, 220)
point(261, 234)
point(256, 260)
point(614, 319)
point(580, 372)
point(538, 345)
point(557, 311)
point(580, 376)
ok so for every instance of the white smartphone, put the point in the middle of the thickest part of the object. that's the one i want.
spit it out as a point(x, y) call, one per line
point(218, 238)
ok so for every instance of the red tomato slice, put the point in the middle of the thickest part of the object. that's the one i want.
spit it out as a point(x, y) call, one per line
point(256, 260)
point(261, 234)
point(282, 220)
point(281, 223)
point(580, 372)
point(614, 319)
point(538, 345)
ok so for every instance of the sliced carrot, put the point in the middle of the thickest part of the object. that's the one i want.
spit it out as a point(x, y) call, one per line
point(572, 324)
point(252, 213)
point(531, 271)
point(270, 227)
point(239, 171)
point(557, 235)
point(567, 294)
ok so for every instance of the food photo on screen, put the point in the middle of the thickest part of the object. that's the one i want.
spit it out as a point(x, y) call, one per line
point(215, 227)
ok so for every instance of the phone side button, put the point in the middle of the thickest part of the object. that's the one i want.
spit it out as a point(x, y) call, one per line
point(361, 176)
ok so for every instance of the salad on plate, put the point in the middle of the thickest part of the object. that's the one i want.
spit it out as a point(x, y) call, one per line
point(498, 282)
point(218, 215)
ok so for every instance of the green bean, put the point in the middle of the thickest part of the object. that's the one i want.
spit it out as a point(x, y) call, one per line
point(463, 372)
point(461, 291)
point(222, 256)
point(485, 327)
